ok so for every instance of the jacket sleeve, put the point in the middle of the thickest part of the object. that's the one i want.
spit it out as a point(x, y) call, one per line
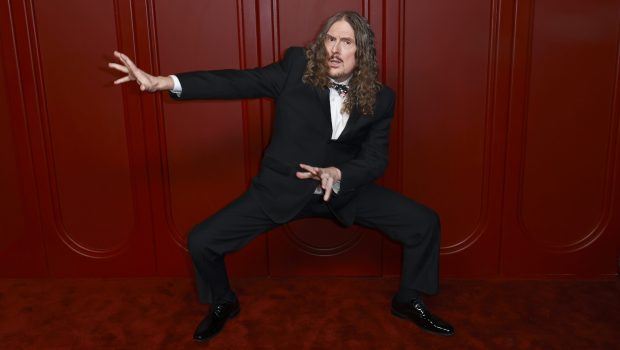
point(237, 84)
point(372, 159)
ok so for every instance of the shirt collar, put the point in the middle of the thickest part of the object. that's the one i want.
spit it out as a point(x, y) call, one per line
point(346, 82)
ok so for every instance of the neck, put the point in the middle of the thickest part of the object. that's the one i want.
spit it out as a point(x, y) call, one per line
point(341, 80)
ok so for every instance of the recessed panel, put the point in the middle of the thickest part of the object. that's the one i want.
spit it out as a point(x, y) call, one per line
point(204, 140)
point(87, 143)
point(568, 118)
point(445, 72)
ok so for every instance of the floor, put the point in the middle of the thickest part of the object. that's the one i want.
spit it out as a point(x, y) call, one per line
point(307, 313)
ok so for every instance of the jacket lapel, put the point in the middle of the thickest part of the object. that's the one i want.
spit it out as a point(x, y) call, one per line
point(323, 95)
point(353, 118)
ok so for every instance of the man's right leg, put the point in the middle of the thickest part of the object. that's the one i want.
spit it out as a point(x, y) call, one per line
point(208, 242)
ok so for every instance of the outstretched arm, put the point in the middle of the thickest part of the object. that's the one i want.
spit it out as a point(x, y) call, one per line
point(146, 81)
point(264, 81)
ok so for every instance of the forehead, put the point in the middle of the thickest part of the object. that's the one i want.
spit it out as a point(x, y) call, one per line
point(341, 29)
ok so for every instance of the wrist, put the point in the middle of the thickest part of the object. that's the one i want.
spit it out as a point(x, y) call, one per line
point(165, 83)
point(339, 174)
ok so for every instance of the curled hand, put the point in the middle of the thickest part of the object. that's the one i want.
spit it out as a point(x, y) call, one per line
point(327, 176)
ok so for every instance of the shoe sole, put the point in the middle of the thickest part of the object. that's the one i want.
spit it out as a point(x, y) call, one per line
point(233, 315)
point(404, 317)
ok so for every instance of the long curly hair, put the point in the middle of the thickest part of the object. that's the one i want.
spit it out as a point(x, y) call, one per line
point(364, 84)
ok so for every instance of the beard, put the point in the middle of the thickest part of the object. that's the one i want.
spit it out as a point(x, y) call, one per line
point(339, 73)
point(338, 76)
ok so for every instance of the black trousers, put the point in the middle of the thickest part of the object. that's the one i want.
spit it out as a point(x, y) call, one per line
point(412, 224)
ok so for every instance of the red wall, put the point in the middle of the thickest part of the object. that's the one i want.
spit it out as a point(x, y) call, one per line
point(507, 124)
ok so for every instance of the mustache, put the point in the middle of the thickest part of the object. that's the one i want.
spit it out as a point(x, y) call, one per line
point(335, 57)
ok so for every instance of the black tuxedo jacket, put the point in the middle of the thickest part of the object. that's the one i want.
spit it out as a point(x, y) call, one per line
point(302, 134)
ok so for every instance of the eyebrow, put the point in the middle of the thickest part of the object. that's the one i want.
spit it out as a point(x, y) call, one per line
point(342, 38)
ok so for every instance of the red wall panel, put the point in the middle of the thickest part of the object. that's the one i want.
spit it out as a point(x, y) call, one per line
point(87, 176)
point(202, 143)
point(21, 246)
point(12, 210)
point(564, 141)
point(86, 145)
point(449, 159)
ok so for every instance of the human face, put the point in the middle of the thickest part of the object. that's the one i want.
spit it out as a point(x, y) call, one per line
point(340, 48)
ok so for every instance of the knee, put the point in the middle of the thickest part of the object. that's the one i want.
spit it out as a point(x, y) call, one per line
point(433, 221)
point(198, 241)
point(429, 224)
point(420, 217)
point(193, 240)
point(422, 226)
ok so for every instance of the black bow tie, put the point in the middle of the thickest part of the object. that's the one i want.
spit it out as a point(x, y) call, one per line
point(341, 88)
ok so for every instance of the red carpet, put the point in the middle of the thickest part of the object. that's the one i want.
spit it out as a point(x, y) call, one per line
point(307, 313)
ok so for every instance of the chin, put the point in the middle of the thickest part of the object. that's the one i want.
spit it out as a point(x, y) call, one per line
point(338, 75)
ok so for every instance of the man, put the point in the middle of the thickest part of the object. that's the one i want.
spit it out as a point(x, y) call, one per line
point(329, 142)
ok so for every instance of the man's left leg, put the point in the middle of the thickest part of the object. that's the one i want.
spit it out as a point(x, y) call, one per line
point(418, 229)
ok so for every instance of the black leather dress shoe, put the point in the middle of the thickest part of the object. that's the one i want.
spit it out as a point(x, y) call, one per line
point(417, 312)
point(213, 323)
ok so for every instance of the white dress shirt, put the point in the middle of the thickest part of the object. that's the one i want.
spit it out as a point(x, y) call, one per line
point(339, 119)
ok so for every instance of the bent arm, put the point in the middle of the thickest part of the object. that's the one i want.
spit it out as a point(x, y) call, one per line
point(371, 161)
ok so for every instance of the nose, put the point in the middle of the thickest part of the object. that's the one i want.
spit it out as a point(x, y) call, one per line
point(335, 47)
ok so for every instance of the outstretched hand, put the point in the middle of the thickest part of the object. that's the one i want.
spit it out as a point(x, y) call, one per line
point(146, 81)
point(327, 176)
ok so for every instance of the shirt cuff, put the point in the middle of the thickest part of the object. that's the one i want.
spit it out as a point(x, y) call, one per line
point(336, 187)
point(177, 89)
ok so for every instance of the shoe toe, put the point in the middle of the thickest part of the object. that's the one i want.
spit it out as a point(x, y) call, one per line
point(215, 320)
point(417, 312)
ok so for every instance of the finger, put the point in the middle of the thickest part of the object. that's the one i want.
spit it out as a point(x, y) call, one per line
point(118, 67)
point(128, 62)
point(311, 169)
point(138, 74)
point(328, 189)
point(304, 175)
point(305, 167)
point(122, 80)
point(327, 182)
point(324, 180)
point(121, 57)
point(132, 69)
